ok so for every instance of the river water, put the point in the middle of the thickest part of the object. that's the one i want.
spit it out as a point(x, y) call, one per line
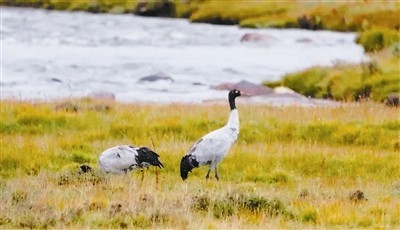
point(50, 55)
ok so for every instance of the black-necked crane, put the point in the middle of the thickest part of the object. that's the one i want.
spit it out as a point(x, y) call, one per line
point(213, 147)
point(123, 158)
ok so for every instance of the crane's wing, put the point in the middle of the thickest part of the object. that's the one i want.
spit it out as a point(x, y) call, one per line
point(210, 148)
point(118, 159)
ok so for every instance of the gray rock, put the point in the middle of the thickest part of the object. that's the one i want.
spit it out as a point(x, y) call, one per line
point(223, 86)
point(156, 77)
point(247, 87)
point(255, 37)
point(304, 40)
point(252, 89)
point(53, 79)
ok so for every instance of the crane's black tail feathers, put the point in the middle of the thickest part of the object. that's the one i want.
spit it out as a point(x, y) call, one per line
point(188, 163)
point(149, 156)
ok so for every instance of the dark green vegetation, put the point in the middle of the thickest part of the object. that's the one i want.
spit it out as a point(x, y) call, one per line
point(335, 15)
point(291, 167)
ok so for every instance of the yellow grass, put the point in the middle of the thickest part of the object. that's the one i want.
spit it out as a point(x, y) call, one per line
point(292, 167)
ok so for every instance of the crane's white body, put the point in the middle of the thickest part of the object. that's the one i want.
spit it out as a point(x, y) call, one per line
point(119, 159)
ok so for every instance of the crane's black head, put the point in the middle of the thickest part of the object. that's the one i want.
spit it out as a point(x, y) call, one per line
point(233, 94)
point(146, 155)
point(188, 162)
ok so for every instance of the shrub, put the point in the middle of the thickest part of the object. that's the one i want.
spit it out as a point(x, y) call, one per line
point(307, 82)
point(377, 39)
point(372, 41)
point(346, 82)
point(201, 203)
point(74, 176)
point(222, 208)
point(273, 207)
point(233, 204)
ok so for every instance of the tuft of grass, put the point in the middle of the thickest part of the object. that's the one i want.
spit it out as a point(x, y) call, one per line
point(18, 196)
point(236, 203)
point(309, 215)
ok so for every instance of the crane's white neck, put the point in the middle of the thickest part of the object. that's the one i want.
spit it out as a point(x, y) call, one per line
point(233, 121)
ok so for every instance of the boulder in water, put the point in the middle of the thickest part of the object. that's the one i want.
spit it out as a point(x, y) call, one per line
point(156, 77)
point(304, 40)
point(54, 79)
point(256, 37)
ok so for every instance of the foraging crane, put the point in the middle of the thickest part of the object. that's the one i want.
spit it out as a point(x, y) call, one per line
point(213, 147)
point(122, 158)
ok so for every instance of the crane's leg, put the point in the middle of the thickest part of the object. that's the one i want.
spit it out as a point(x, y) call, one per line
point(208, 174)
point(216, 173)
point(142, 174)
point(157, 176)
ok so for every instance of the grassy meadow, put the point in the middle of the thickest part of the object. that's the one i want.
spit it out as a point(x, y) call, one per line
point(292, 167)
